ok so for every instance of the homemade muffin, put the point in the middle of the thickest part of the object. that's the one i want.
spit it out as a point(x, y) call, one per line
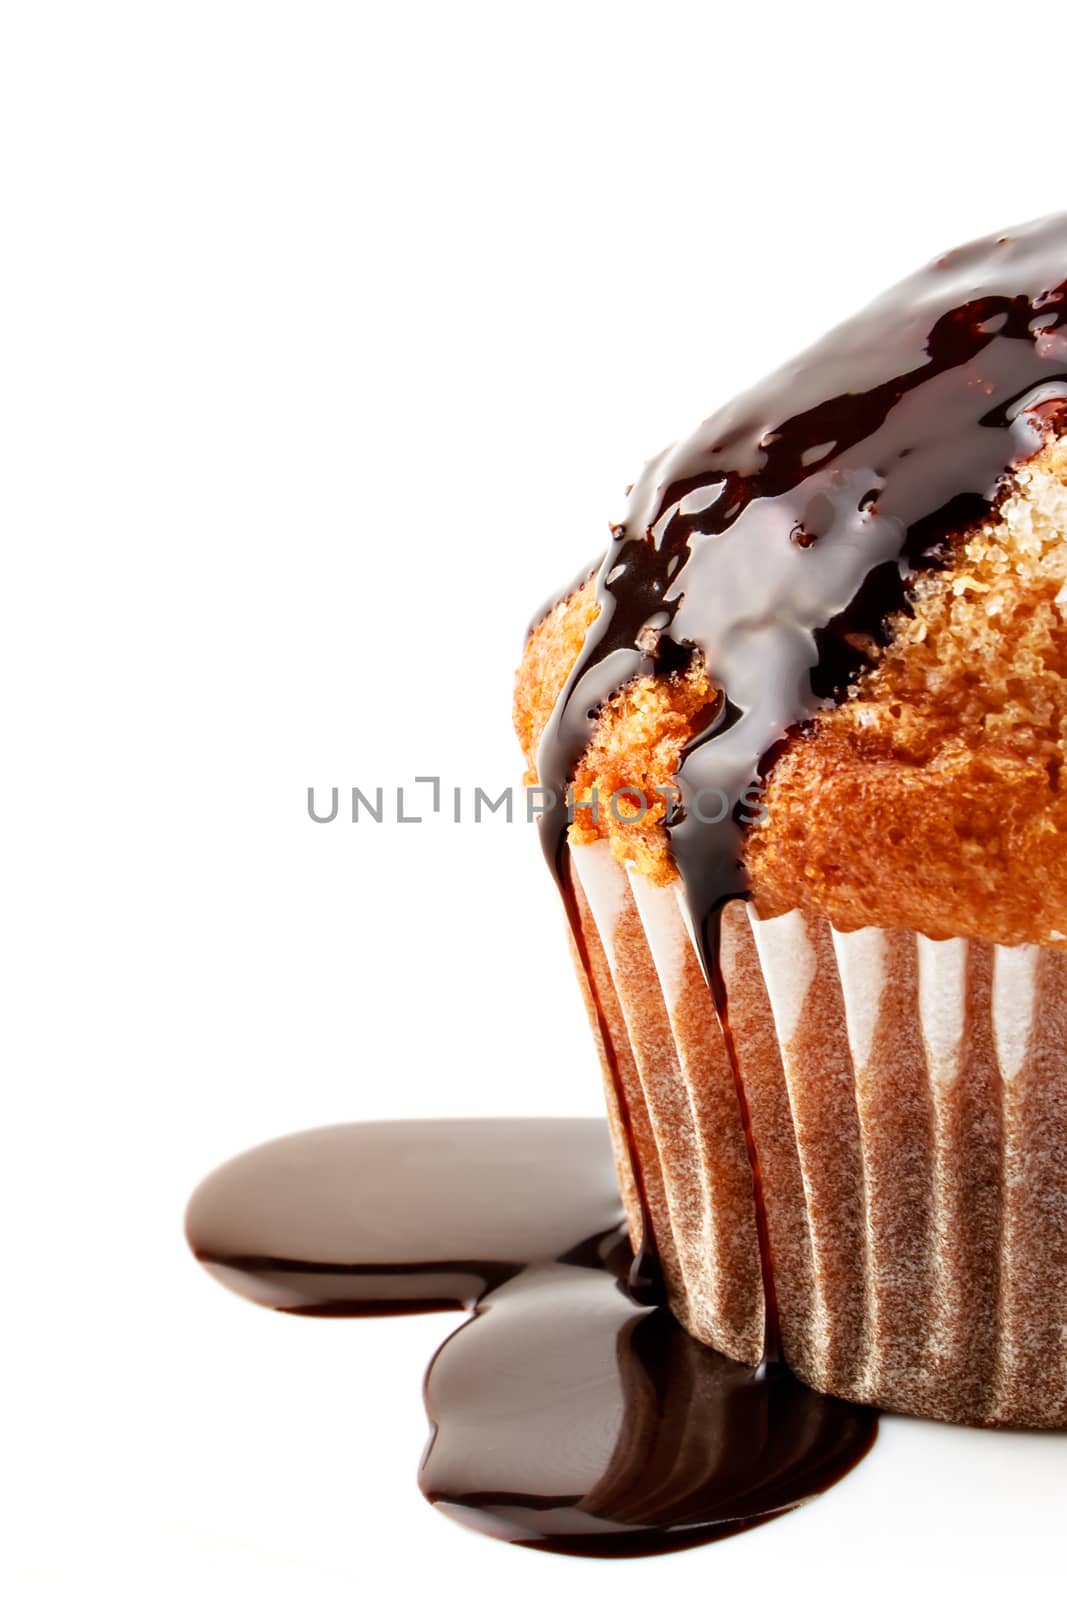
point(831, 1001)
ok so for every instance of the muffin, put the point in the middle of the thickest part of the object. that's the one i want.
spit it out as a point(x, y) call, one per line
point(800, 742)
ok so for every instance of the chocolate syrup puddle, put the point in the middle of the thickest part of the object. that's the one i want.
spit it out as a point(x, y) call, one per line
point(566, 1415)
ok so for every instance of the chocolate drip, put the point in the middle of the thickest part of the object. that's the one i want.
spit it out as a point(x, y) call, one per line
point(566, 1414)
point(645, 1280)
point(790, 524)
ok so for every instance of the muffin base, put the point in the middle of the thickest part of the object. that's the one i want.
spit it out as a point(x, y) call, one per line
point(907, 1101)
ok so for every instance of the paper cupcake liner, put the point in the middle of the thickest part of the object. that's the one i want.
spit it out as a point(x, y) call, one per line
point(908, 1104)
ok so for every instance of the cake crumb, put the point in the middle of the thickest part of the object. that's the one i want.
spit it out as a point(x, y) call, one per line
point(932, 797)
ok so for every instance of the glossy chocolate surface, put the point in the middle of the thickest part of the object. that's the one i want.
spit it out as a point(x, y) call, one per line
point(565, 1414)
point(785, 529)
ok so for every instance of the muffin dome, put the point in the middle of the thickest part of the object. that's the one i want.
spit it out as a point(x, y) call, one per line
point(928, 797)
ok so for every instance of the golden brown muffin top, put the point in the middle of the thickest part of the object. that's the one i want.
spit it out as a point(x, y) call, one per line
point(930, 797)
point(843, 588)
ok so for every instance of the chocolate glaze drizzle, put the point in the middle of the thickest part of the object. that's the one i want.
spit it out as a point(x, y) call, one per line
point(793, 521)
point(566, 1415)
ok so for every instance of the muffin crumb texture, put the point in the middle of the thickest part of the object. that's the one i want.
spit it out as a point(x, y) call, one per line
point(635, 745)
point(552, 648)
point(931, 798)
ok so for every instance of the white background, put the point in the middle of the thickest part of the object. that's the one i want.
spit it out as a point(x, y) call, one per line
point(331, 335)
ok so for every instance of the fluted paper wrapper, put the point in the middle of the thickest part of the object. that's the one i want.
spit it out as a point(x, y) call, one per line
point(908, 1104)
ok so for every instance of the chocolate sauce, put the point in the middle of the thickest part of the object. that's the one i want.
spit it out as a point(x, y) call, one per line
point(787, 529)
point(793, 519)
point(645, 1280)
point(566, 1415)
